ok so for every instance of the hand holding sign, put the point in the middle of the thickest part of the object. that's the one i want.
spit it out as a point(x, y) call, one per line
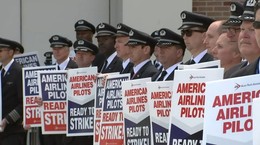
point(104, 80)
point(26, 127)
point(38, 100)
point(3, 124)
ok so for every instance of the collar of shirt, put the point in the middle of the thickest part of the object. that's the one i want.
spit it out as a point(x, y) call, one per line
point(170, 70)
point(199, 56)
point(110, 58)
point(125, 63)
point(258, 67)
point(64, 64)
point(7, 66)
point(140, 65)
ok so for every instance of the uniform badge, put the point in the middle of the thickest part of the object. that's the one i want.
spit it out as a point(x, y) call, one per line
point(55, 38)
point(251, 3)
point(101, 25)
point(131, 33)
point(81, 22)
point(156, 33)
point(232, 7)
point(119, 26)
point(162, 33)
point(183, 16)
point(80, 42)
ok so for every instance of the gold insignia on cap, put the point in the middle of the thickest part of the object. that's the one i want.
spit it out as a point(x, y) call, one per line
point(251, 3)
point(81, 22)
point(101, 25)
point(233, 7)
point(119, 26)
point(55, 38)
point(183, 16)
point(162, 33)
point(131, 33)
point(80, 42)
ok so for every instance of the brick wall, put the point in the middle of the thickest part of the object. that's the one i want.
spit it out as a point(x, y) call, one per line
point(217, 9)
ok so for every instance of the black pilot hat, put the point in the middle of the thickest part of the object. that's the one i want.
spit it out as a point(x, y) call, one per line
point(59, 41)
point(5, 43)
point(168, 37)
point(122, 30)
point(249, 13)
point(83, 45)
point(82, 25)
point(236, 9)
point(19, 47)
point(140, 38)
point(190, 20)
point(156, 35)
point(104, 29)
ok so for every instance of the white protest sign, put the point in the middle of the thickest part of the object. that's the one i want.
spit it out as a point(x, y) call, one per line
point(228, 113)
point(136, 111)
point(188, 104)
point(31, 110)
point(159, 98)
point(81, 91)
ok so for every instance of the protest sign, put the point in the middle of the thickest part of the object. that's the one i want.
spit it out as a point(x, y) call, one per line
point(52, 88)
point(256, 120)
point(228, 110)
point(187, 111)
point(136, 112)
point(111, 131)
point(30, 59)
point(81, 91)
point(159, 98)
point(101, 82)
point(31, 111)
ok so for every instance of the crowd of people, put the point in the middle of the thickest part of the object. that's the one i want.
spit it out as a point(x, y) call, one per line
point(235, 42)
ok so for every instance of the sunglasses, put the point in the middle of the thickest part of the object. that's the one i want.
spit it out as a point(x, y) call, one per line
point(256, 24)
point(189, 32)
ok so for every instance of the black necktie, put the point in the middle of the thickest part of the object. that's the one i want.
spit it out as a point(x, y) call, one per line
point(192, 61)
point(104, 66)
point(58, 67)
point(160, 68)
point(132, 74)
point(2, 72)
point(123, 69)
point(163, 74)
point(157, 65)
